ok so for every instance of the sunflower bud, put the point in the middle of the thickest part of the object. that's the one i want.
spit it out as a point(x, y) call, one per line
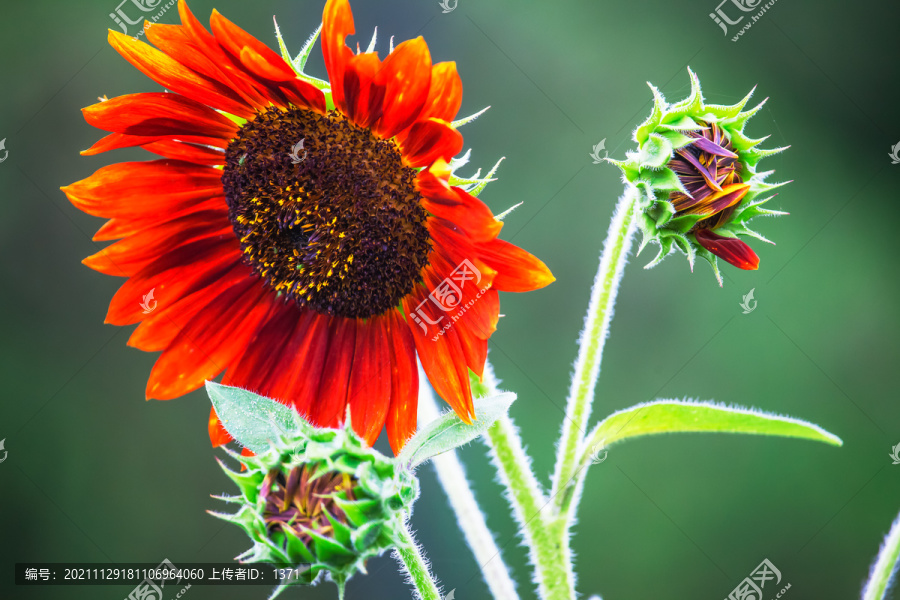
point(696, 175)
point(320, 498)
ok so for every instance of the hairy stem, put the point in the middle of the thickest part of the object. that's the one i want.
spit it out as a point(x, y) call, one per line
point(550, 557)
point(471, 520)
point(883, 570)
point(414, 563)
point(590, 351)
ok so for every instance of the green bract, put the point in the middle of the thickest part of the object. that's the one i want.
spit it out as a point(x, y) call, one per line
point(319, 497)
point(672, 127)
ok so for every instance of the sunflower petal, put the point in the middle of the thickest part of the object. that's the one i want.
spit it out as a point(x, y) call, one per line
point(177, 309)
point(157, 113)
point(441, 355)
point(171, 74)
point(217, 434)
point(363, 98)
point(137, 189)
point(445, 93)
point(369, 393)
point(517, 270)
point(429, 141)
point(329, 407)
point(406, 77)
point(210, 341)
point(337, 24)
point(731, 250)
point(127, 257)
point(172, 276)
point(401, 416)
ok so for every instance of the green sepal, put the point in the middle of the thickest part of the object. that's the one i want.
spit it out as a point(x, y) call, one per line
point(656, 114)
point(680, 123)
point(358, 511)
point(677, 140)
point(248, 482)
point(330, 551)
point(655, 152)
point(366, 535)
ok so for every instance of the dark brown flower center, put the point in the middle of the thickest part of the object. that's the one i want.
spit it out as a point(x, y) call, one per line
point(300, 503)
point(710, 171)
point(326, 212)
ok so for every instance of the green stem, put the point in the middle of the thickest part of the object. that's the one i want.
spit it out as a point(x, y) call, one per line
point(551, 559)
point(452, 477)
point(885, 565)
point(590, 352)
point(415, 564)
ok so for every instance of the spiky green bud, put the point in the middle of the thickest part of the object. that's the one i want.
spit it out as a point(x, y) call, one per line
point(695, 171)
point(319, 497)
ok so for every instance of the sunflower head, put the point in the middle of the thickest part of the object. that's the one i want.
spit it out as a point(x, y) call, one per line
point(322, 498)
point(697, 177)
point(300, 234)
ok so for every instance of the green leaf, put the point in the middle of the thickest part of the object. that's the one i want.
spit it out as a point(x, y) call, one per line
point(449, 431)
point(883, 570)
point(671, 416)
point(251, 419)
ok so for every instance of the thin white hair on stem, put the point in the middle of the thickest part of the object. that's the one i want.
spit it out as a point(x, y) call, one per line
point(452, 477)
point(883, 571)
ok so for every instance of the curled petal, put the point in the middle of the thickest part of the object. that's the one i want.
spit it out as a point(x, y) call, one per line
point(337, 24)
point(731, 250)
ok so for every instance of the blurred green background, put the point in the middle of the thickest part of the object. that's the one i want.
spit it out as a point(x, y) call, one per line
point(94, 473)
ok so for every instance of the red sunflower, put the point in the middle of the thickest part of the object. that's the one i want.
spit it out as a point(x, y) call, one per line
point(304, 241)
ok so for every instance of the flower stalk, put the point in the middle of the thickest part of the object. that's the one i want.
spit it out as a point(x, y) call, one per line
point(452, 477)
point(551, 560)
point(410, 556)
point(590, 350)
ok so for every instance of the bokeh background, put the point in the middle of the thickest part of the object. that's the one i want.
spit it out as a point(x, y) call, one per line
point(94, 473)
